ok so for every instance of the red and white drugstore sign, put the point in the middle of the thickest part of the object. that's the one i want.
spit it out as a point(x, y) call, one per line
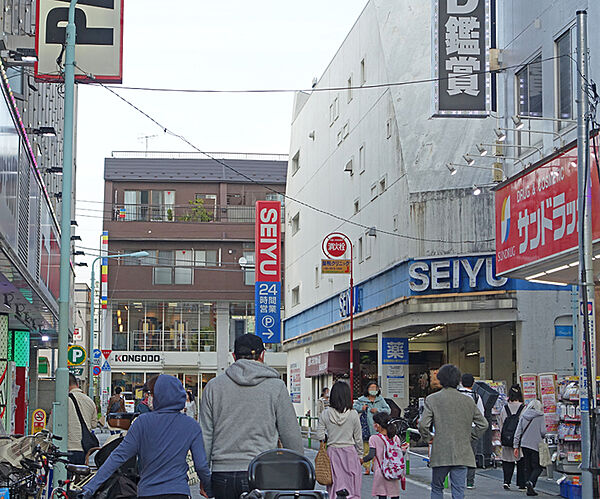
point(268, 241)
point(537, 213)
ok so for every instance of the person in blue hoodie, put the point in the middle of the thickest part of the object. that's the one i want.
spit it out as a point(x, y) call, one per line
point(161, 440)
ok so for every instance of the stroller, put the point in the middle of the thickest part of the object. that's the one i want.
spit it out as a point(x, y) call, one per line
point(283, 474)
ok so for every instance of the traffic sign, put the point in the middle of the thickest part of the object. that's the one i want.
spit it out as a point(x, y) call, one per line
point(106, 353)
point(96, 354)
point(334, 246)
point(96, 370)
point(76, 355)
point(106, 366)
point(268, 311)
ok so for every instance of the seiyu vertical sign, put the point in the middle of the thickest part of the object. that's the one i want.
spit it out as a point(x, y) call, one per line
point(267, 290)
point(99, 40)
point(461, 46)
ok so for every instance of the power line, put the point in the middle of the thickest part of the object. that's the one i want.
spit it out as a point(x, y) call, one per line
point(283, 194)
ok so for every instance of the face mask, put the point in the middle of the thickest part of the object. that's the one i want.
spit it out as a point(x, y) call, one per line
point(150, 402)
point(373, 393)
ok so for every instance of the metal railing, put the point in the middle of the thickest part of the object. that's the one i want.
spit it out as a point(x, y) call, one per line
point(182, 213)
point(257, 156)
point(165, 341)
point(309, 431)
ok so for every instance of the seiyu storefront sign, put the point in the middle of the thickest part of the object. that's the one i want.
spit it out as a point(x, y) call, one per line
point(454, 275)
point(462, 35)
point(99, 40)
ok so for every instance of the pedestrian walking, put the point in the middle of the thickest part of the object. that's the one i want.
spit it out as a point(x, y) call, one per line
point(143, 406)
point(530, 432)
point(386, 444)
point(82, 412)
point(244, 412)
point(508, 420)
point(190, 404)
point(467, 382)
point(339, 425)
point(450, 421)
point(323, 402)
point(161, 439)
point(369, 404)
point(116, 402)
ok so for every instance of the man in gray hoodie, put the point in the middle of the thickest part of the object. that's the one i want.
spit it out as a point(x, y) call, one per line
point(244, 412)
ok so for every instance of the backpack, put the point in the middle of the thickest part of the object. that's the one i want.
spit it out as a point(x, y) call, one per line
point(392, 465)
point(115, 407)
point(509, 427)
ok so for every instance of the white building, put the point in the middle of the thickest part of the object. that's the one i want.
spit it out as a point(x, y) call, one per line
point(375, 159)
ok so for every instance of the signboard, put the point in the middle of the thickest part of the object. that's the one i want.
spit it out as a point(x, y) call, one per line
point(345, 301)
point(295, 383)
point(334, 246)
point(99, 40)
point(77, 334)
point(76, 371)
point(136, 358)
point(563, 331)
point(454, 275)
point(547, 384)
point(395, 381)
point(394, 350)
point(333, 266)
point(76, 355)
point(96, 370)
point(38, 421)
point(461, 39)
point(106, 366)
point(536, 213)
point(267, 288)
point(529, 386)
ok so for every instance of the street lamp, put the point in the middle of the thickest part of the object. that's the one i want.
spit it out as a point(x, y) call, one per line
point(137, 254)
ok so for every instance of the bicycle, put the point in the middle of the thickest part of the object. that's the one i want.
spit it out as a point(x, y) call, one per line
point(64, 486)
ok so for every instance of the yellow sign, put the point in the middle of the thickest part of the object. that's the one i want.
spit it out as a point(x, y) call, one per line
point(335, 266)
point(38, 421)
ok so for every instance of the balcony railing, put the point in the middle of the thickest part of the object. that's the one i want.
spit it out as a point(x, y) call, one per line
point(167, 341)
point(182, 213)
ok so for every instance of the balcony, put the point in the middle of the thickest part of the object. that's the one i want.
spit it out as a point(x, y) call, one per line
point(190, 213)
point(165, 341)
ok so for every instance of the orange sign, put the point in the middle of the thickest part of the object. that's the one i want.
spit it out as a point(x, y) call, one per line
point(38, 421)
point(334, 266)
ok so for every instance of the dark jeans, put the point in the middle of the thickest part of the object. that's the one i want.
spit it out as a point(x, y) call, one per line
point(532, 465)
point(229, 484)
point(508, 467)
point(385, 497)
point(471, 471)
point(76, 457)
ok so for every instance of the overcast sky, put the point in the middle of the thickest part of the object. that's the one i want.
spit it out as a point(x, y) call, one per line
point(229, 44)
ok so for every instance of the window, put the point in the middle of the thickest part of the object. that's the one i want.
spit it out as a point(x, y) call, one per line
point(367, 245)
point(163, 273)
point(334, 111)
point(388, 128)
point(349, 88)
point(153, 205)
point(317, 277)
point(349, 167)
point(529, 88)
point(184, 261)
point(15, 79)
point(373, 191)
point(382, 185)
point(360, 249)
point(206, 258)
point(395, 223)
point(346, 129)
point(296, 163)
point(275, 196)
point(356, 206)
point(248, 268)
point(564, 78)
point(296, 296)
point(361, 159)
point(363, 72)
point(209, 203)
point(295, 223)
point(340, 136)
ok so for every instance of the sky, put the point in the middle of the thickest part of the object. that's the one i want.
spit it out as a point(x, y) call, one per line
point(229, 44)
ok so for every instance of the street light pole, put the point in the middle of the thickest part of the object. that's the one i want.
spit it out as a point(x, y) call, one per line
point(137, 254)
point(60, 416)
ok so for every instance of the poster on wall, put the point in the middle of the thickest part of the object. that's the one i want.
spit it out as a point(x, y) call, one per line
point(547, 383)
point(295, 383)
point(395, 381)
point(529, 387)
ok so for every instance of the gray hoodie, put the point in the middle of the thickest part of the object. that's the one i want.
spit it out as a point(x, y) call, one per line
point(244, 412)
point(342, 429)
point(530, 430)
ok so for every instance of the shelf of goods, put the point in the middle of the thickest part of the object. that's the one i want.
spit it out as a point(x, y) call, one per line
point(569, 427)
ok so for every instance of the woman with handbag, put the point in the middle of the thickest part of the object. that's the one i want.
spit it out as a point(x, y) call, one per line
point(340, 426)
point(367, 406)
point(529, 435)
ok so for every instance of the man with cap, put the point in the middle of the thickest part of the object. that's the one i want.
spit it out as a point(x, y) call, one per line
point(244, 412)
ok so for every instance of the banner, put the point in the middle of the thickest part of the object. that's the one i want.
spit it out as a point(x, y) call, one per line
point(104, 273)
point(461, 38)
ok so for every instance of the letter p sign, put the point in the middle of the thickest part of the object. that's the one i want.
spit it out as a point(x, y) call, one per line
point(76, 356)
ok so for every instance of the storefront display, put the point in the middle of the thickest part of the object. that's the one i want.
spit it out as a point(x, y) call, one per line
point(569, 426)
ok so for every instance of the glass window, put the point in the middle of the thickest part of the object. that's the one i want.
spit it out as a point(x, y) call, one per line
point(206, 258)
point(296, 223)
point(120, 325)
point(296, 162)
point(564, 66)
point(163, 275)
point(296, 296)
point(249, 276)
point(529, 88)
point(207, 327)
point(184, 261)
point(148, 260)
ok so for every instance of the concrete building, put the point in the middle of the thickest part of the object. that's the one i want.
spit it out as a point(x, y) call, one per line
point(373, 157)
point(180, 309)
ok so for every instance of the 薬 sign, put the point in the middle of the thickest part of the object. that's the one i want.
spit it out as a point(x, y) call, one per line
point(394, 350)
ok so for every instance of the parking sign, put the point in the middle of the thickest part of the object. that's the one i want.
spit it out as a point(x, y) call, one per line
point(267, 296)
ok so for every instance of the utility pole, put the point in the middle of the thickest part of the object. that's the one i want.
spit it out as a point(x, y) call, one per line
point(587, 330)
point(60, 412)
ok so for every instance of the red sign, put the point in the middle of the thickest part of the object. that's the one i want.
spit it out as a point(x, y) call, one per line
point(536, 213)
point(268, 241)
point(106, 353)
point(335, 246)
point(96, 370)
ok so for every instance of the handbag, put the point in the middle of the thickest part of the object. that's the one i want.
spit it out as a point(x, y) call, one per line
point(544, 452)
point(323, 466)
point(88, 439)
point(364, 426)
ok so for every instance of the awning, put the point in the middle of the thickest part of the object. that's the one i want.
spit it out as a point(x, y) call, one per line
point(333, 362)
